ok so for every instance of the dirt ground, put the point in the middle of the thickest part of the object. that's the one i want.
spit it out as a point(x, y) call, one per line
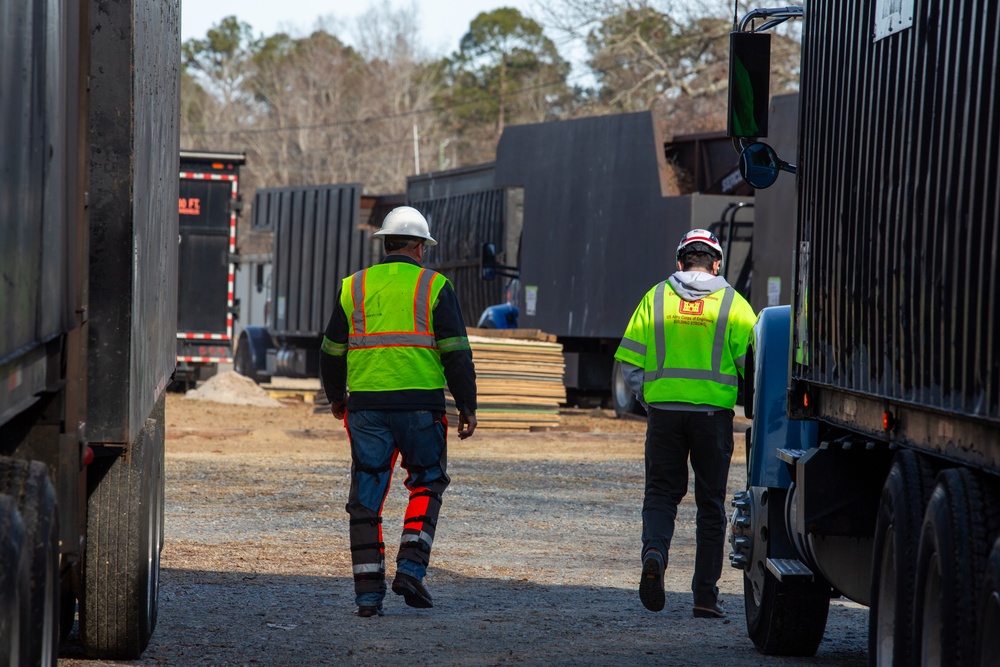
point(536, 559)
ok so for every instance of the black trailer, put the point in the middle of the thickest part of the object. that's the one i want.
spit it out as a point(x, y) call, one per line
point(874, 465)
point(586, 214)
point(88, 258)
point(208, 206)
point(321, 234)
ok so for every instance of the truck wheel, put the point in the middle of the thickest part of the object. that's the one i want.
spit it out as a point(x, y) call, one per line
point(622, 398)
point(894, 559)
point(786, 619)
point(988, 651)
point(951, 558)
point(243, 364)
point(28, 482)
point(14, 579)
point(121, 572)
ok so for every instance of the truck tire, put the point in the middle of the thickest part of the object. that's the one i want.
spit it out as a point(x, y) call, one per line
point(14, 638)
point(243, 363)
point(988, 650)
point(118, 603)
point(622, 399)
point(787, 619)
point(29, 484)
point(951, 558)
point(905, 495)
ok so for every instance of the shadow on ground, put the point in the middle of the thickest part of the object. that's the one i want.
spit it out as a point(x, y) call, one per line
point(230, 618)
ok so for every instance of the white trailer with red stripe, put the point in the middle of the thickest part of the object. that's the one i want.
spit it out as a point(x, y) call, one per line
point(209, 204)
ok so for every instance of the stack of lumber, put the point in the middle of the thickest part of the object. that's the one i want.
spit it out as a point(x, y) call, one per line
point(519, 377)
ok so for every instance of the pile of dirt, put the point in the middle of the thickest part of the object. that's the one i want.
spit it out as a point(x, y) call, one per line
point(234, 389)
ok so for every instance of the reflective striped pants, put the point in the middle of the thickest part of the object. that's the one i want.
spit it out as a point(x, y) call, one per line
point(378, 438)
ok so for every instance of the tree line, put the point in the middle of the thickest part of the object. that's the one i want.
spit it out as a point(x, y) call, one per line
point(313, 109)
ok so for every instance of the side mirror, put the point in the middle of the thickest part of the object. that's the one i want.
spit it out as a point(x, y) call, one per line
point(489, 261)
point(760, 164)
point(259, 278)
point(749, 83)
point(490, 268)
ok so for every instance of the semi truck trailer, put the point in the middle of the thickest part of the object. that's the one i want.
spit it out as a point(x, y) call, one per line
point(208, 207)
point(874, 452)
point(88, 259)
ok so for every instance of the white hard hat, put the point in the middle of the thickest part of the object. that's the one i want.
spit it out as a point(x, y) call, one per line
point(706, 240)
point(406, 221)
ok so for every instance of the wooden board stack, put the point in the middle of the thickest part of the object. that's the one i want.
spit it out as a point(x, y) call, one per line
point(519, 377)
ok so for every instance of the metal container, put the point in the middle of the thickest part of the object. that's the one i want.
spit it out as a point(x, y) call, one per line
point(133, 214)
point(42, 243)
point(896, 323)
point(465, 209)
point(318, 241)
point(209, 203)
point(599, 228)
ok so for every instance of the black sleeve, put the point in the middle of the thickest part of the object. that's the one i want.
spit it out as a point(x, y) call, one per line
point(333, 367)
point(459, 371)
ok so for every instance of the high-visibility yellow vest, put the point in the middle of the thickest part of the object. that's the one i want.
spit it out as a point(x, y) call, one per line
point(692, 352)
point(390, 314)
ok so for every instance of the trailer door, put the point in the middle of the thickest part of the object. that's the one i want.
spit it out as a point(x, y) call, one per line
point(205, 288)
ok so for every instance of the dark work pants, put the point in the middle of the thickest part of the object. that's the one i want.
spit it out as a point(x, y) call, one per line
point(378, 437)
point(671, 436)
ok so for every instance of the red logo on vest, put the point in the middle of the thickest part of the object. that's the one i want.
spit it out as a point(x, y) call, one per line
point(691, 307)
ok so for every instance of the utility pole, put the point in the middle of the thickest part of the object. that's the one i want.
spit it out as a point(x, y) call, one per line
point(416, 149)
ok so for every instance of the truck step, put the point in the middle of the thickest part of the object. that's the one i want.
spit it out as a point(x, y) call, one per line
point(790, 455)
point(789, 569)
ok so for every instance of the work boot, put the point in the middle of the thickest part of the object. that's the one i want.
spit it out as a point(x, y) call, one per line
point(651, 583)
point(709, 611)
point(368, 612)
point(412, 590)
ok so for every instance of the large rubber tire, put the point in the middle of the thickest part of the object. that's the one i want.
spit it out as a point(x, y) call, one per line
point(905, 495)
point(951, 559)
point(243, 362)
point(622, 399)
point(28, 483)
point(988, 650)
point(788, 619)
point(14, 565)
point(118, 605)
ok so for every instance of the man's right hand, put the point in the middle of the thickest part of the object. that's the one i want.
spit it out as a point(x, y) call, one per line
point(339, 408)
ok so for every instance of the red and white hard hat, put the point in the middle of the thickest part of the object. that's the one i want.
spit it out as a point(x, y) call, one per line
point(699, 240)
point(406, 221)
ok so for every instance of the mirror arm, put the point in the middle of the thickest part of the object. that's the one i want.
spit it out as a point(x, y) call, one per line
point(775, 13)
point(507, 271)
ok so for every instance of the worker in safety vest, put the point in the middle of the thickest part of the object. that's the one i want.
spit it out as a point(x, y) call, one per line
point(396, 335)
point(681, 355)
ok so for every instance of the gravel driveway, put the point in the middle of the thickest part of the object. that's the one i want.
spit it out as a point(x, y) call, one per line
point(535, 561)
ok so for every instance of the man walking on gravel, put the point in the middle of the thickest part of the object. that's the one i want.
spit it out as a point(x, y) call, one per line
point(395, 337)
point(681, 355)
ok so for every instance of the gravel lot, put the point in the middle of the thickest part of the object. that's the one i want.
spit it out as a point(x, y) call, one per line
point(536, 559)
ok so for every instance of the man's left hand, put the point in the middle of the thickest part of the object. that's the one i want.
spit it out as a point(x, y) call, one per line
point(466, 425)
point(339, 408)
